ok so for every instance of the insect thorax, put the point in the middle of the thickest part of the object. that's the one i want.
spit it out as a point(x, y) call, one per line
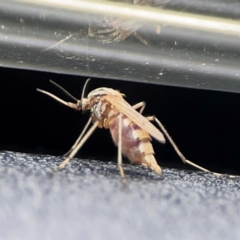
point(98, 92)
point(102, 110)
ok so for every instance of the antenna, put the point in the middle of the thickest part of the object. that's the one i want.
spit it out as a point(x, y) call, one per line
point(64, 90)
point(84, 89)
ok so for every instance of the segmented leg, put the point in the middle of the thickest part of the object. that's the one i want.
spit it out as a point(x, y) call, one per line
point(58, 43)
point(79, 138)
point(120, 145)
point(141, 105)
point(75, 106)
point(140, 38)
point(182, 157)
point(79, 145)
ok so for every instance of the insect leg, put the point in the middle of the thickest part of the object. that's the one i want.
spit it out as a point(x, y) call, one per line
point(120, 145)
point(79, 145)
point(140, 38)
point(141, 105)
point(79, 138)
point(58, 43)
point(186, 161)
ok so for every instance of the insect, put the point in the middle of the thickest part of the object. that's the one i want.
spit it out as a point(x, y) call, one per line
point(130, 130)
point(117, 29)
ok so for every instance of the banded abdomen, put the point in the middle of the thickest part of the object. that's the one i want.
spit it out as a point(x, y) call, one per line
point(136, 145)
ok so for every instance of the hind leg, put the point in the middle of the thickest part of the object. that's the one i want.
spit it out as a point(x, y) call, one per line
point(182, 157)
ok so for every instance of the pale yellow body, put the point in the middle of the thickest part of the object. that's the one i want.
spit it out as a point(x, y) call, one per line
point(136, 145)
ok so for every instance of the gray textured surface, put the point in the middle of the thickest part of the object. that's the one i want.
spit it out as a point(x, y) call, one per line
point(88, 201)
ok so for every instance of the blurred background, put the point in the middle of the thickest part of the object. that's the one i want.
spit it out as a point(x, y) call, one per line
point(181, 58)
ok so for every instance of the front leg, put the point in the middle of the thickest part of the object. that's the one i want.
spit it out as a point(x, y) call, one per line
point(120, 145)
point(79, 138)
point(78, 146)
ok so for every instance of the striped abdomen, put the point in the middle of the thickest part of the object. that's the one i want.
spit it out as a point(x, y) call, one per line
point(136, 145)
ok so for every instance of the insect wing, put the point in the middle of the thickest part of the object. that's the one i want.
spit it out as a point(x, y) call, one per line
point(125, 108)
point(116, 29)
point(126, 27)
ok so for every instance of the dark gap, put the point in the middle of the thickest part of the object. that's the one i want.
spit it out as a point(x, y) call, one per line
point(204, 124)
